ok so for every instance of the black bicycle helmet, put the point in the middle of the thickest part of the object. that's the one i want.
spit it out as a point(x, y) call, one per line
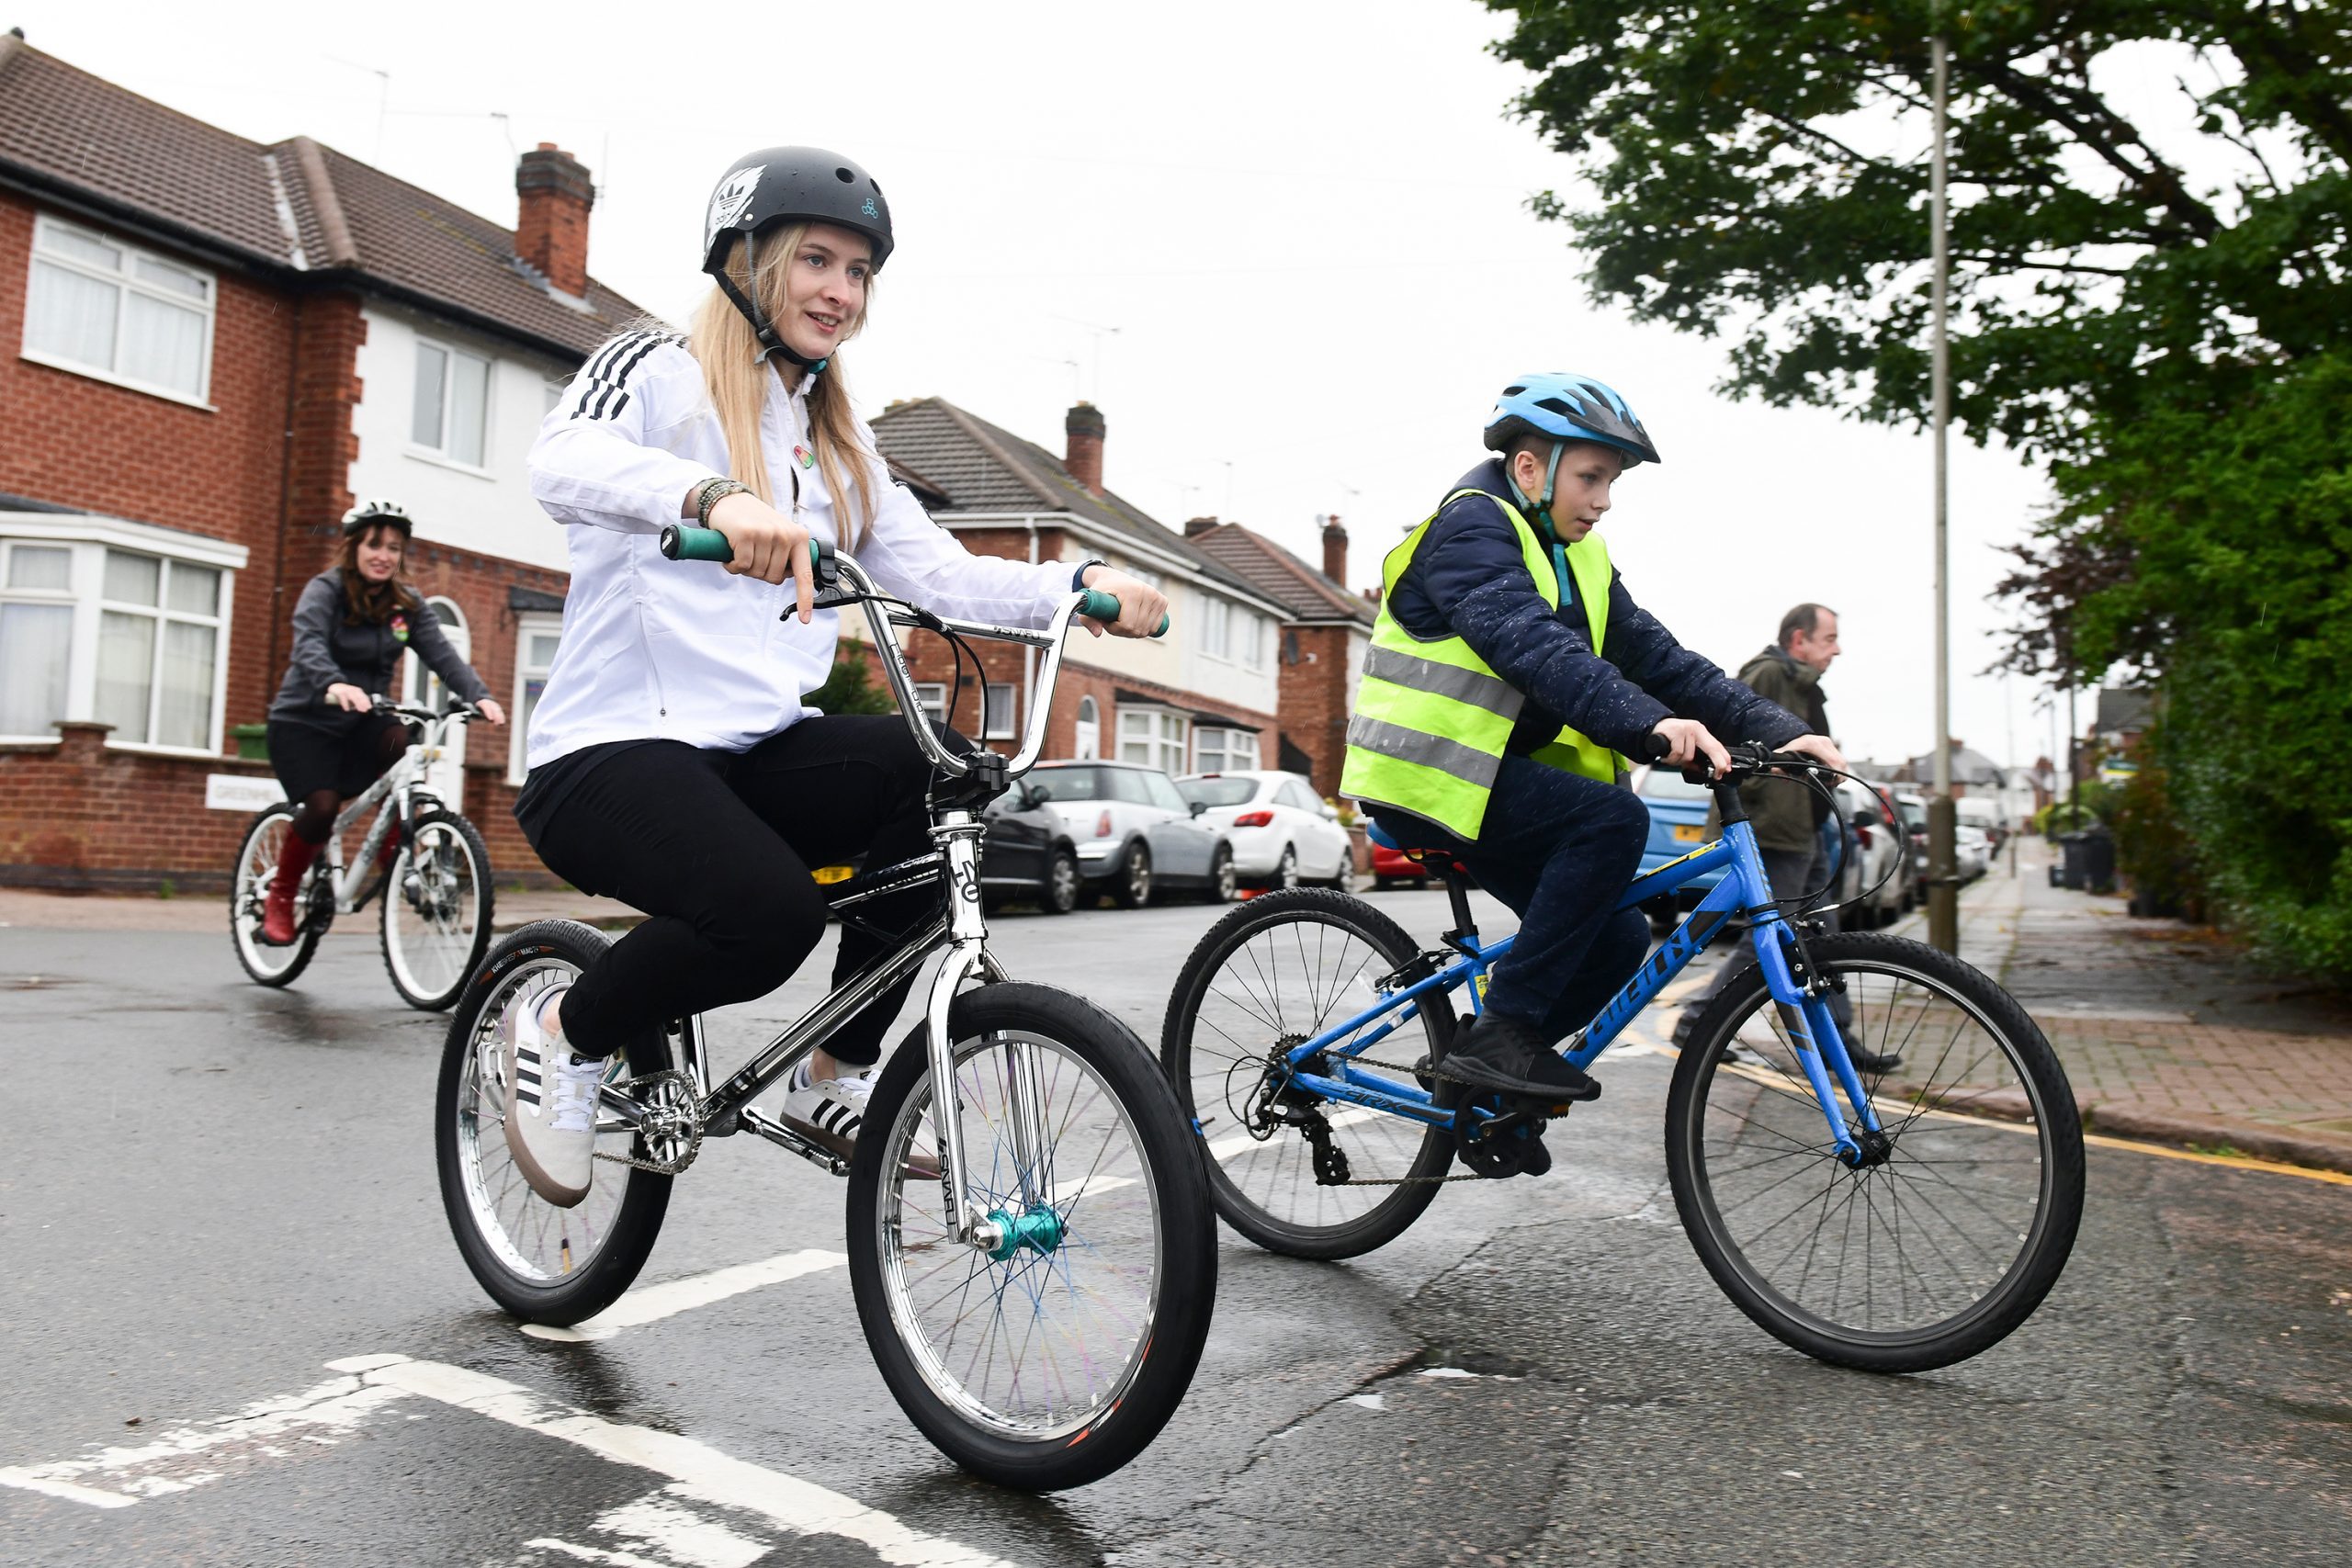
point(788, 185)
point(376, 511)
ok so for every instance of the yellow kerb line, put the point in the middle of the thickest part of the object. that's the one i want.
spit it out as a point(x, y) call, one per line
point(2096, 1140)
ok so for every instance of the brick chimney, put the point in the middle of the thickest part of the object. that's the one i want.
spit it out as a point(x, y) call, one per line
point(552, 232)
point(1083, 456)
point(1335, 550)
point(1197, 525)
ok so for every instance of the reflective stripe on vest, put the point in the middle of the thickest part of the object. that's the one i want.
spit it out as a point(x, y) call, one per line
point(1432, 719)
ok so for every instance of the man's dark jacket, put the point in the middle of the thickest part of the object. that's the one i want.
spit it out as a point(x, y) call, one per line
point(1786, 816)
point(1469, 578)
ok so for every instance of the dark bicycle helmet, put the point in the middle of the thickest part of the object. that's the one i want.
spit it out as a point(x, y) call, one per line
point(788, 185)
point(377, 510)
point(1566, 408)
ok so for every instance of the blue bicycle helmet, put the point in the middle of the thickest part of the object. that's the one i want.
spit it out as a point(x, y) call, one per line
point(1566, 408)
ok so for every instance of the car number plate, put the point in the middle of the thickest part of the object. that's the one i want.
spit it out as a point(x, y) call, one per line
point(1688, 833)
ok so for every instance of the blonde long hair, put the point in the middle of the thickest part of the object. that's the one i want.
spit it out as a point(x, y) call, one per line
point(736, 376)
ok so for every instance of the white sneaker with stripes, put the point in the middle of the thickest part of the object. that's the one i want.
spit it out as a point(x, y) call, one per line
point(829, 1110)
point(550, 1106)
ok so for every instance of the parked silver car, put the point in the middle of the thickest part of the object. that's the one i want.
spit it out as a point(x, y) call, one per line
point(1135, 834)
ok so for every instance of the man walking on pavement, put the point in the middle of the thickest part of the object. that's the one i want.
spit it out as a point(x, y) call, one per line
point(1789, 818)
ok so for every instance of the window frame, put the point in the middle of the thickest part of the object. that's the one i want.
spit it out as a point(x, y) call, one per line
point(930, 700)
point(450, 353)
point(127, 284)
point(990, 730)
point(1166, 737)
point(420, 687)
point(528, 624)
point(88, 537)
point(1086, 737)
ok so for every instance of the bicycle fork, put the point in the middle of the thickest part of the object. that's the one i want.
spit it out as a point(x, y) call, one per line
point(995, 1231)
point(1820, 1050)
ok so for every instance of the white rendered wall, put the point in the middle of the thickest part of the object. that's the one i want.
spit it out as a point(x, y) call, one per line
point(488, 508)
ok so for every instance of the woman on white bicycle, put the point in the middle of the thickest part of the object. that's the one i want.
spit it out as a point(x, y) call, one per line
point(352, 624)
point(672, 763)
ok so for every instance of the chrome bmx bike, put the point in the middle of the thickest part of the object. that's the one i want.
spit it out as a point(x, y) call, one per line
point(1032, 1247)
point(1895, 1194)
point(421, 863)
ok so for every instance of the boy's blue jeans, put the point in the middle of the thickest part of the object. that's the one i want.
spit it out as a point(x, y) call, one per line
point(1559, 850)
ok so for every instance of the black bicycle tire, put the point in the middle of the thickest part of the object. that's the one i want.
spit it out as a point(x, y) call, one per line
point(1385, 1221)
point(636, 1224)
point(2029, 1281)
point(480, 850)
point(306, 940)
point(1187, 1274)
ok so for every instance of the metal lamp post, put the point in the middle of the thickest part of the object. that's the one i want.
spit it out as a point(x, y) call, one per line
point(1943, 815)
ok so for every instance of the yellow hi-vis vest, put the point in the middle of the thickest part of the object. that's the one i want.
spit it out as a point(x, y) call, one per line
point(1431, 719)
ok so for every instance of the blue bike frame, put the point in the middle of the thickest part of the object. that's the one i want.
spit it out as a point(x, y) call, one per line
point(1820, 1049)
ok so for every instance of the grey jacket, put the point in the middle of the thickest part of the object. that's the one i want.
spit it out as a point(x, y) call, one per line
point(327, 651)
point(1786, 815)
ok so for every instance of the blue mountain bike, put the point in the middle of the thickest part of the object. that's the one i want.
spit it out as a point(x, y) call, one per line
point(1896, 1219)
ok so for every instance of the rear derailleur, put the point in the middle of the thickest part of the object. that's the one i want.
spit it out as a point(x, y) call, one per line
point(1280, 1102)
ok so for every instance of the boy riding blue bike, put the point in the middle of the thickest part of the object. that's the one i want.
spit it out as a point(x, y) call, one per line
point(1509, 668)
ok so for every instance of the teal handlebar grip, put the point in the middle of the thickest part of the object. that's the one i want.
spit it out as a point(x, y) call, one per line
point(1106, 607)
point(681, 543)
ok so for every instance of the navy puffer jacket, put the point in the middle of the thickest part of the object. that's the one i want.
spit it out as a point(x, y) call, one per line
point(1469, 578)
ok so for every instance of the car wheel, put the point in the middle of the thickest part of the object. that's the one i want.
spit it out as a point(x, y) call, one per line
point(1059, 895)
point(1286, 868)
point(1222, 881)
point(1132, 886)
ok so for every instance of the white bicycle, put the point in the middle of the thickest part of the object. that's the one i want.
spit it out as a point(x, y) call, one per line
point(423, 864)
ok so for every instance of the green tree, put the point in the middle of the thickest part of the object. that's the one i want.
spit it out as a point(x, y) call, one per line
point(2157, 311)
point(850, 688)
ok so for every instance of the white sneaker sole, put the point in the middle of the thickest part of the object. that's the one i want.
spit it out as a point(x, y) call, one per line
point(562, 1194)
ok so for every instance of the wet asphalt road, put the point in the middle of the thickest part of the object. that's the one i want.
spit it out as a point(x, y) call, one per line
point(212, 1190)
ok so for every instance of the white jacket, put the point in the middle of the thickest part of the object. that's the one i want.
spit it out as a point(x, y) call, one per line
point(681, 650)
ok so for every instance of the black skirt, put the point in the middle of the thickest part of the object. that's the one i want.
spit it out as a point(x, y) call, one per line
point(306, 759)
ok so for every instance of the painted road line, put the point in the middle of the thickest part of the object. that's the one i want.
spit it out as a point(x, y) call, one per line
point(702, 1473)
point(673, 1534)
point(673, 1296)
point(184, 1457)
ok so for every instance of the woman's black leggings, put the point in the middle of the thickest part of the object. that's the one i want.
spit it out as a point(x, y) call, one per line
point(717, 847)
point(314, 815)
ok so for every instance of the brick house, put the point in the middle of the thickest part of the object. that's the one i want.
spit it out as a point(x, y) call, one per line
point(1204, 697)
point(1326, 632)
point(213, 347)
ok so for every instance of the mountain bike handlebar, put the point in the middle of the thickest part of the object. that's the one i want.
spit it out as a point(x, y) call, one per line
point(681, 543)
point(1747, 759)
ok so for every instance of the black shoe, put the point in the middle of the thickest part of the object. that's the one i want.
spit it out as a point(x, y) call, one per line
point(1506, 1057)
point(1871, 1061)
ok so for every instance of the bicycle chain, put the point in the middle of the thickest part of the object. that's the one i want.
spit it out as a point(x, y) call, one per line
point(651, 1091)
point(1417, 1070)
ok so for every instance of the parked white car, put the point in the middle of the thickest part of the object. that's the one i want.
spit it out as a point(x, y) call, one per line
point(1971, 852)
point(1135, 833)
point(1282, 833)
point(1879, 851)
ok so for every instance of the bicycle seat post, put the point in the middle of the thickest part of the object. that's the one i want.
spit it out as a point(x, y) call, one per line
point(1457, 893)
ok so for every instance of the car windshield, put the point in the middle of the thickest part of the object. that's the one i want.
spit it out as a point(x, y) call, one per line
point(1217, 791)
point(1071, 783)
point(1915, 813)
point(1665, 783)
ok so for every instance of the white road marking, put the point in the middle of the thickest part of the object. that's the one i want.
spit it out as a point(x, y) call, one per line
point(704, 1473)
point(187, 1457)
point(672, 1297)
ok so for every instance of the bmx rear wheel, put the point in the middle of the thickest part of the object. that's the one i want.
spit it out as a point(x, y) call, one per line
point(1053, 1352)
point(541, 1263)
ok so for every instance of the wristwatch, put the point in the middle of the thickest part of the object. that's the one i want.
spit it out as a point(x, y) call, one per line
point(1078, 577)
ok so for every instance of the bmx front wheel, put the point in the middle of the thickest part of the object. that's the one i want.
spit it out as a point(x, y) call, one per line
point(436, 912)
point(1946, 1241)
point(258, 856)
point(1050, 1350)
point(542, 1263)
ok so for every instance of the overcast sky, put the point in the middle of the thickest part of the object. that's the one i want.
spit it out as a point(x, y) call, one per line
point(1284, 245)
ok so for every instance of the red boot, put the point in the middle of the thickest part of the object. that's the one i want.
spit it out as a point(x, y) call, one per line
point(277, 907)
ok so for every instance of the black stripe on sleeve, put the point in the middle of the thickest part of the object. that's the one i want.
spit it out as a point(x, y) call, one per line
point(607, 375)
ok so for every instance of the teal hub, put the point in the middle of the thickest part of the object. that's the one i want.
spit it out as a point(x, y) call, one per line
point(1039, 1230)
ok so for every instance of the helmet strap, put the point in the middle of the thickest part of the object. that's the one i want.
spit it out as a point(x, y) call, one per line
point(1538, 512)
point(771, 340)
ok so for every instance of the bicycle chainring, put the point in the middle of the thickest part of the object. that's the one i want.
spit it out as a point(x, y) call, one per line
point(671, 1135)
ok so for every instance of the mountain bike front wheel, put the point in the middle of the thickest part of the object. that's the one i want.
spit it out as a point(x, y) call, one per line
point(436, 909)
point(1926, 1257)
point(258, 856)
point(542, 1263)
point(1051, 1351)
